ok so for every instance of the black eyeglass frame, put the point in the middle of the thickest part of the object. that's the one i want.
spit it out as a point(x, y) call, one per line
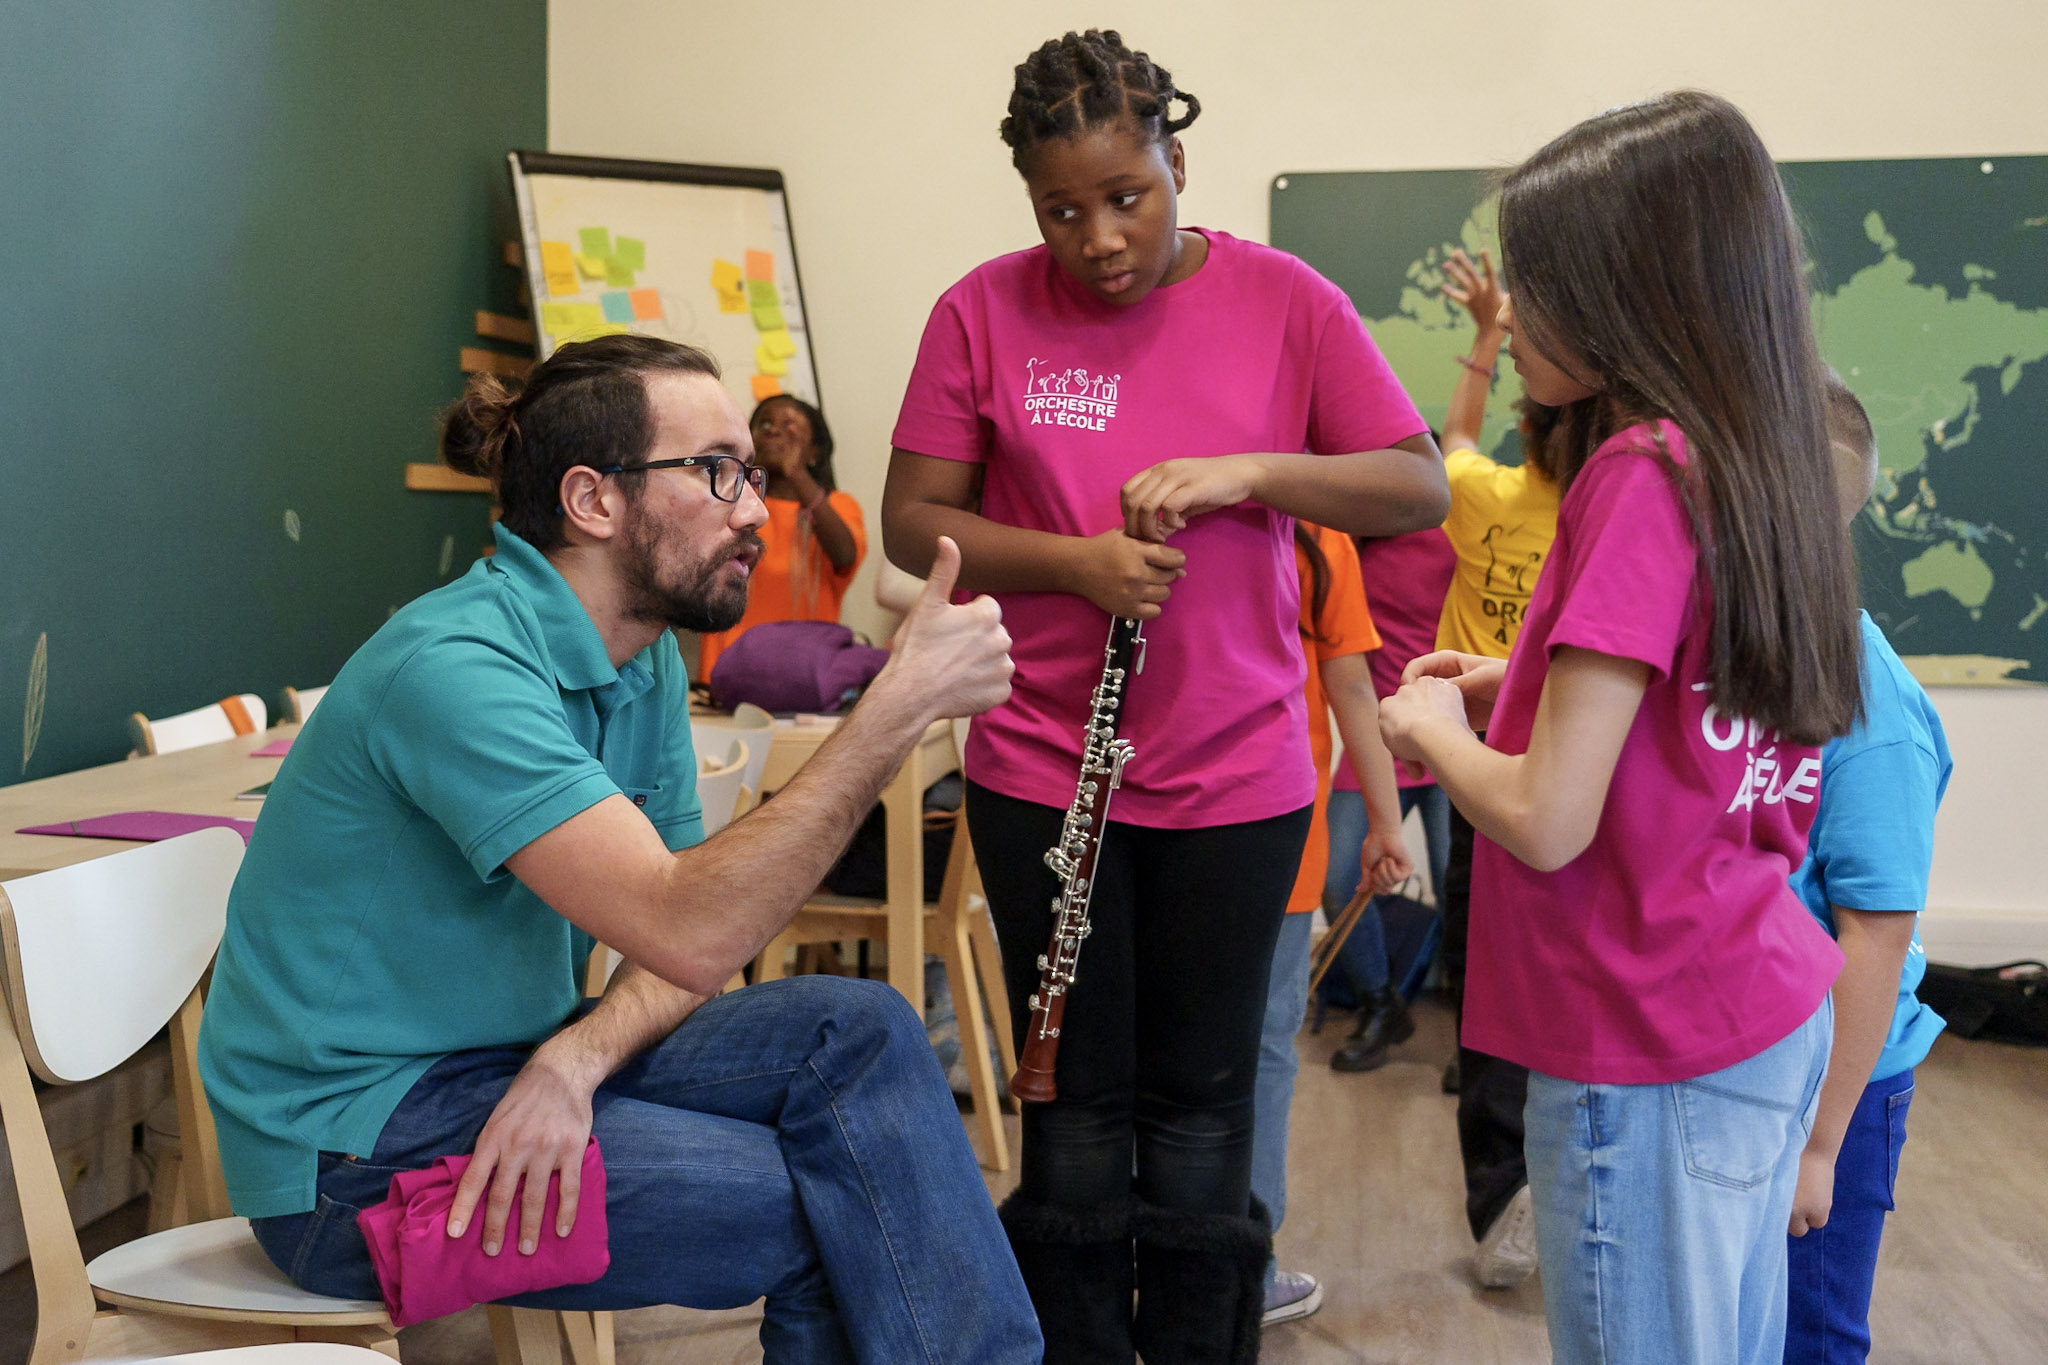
point(754, 474)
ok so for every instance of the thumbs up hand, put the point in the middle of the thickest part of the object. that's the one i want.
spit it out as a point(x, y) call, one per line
point(957, 657)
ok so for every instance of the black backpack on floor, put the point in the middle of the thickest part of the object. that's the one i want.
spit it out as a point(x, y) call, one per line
point(2007, 1003)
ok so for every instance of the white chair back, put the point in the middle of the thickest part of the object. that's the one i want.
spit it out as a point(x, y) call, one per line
point(108, 949)
point(207, 725)
point(718, 788)
point(748, 722)
point(302, 700)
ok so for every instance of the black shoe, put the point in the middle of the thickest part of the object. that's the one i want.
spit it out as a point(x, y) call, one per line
point(1383, 1022)
point(1450, 1083)
point(1077, 1265)
point(1201, 1285)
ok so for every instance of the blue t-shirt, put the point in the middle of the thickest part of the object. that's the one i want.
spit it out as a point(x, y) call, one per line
point(1873, 838)
point(373, 928)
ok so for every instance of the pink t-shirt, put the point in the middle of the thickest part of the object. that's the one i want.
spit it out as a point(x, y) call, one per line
point(1674, 945)
point(1406, 578)
point(1063, 398)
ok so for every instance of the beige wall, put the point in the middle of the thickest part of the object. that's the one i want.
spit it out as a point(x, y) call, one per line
point(883, 117)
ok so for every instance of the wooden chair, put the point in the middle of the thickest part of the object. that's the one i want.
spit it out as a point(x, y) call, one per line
point(302, 700)
point(98, 957)
point(243, 714)
point(960, 926)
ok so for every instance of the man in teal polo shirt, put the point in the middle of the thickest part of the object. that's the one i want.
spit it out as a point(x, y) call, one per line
point(502, 774)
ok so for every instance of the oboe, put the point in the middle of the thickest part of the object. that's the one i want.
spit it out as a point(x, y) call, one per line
point(1073, 858)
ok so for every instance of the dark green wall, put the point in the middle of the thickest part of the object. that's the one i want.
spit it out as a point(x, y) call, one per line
point(240, 244)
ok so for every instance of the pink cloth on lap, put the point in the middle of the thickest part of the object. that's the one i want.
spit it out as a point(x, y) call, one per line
point(425, 1273)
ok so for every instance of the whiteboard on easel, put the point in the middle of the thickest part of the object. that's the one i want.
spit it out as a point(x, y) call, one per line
point(697, 254)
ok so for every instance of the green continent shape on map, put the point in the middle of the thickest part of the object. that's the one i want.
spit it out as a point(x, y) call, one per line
point(1907, 349)
point(1424, 339)
point(1953, 567)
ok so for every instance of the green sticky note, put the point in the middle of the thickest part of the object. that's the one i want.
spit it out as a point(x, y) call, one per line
point(617, 307)
point(761, 293)
point(768, 319)
point(596, 241)
point(617, 276)
point(630, 252)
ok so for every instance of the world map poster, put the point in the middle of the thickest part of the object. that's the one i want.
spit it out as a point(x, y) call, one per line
point(1930, 295)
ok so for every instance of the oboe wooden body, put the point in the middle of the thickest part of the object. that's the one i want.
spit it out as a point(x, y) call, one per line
point(1074, 857)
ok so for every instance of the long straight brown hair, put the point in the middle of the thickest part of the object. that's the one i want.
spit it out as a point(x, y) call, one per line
point(1654, 247)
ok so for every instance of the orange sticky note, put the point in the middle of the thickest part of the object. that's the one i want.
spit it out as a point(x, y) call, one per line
point(766, 386)
point(760, 265)
point(646, 304)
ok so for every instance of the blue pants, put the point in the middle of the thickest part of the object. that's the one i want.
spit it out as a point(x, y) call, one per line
point(794, 1140)
point(1364, 955)
point(1286, 1003)
point(1661, 1209)
point(1833, 1267)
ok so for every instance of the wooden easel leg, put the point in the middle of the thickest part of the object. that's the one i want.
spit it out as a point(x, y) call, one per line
point(525, 1336)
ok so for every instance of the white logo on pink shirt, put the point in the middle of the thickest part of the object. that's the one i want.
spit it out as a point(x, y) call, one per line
point(1762, 774)
point(1069, 397)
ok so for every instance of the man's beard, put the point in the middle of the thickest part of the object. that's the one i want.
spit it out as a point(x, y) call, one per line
point(702, 601)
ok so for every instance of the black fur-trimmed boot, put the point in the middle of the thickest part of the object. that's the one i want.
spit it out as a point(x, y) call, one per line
point(1201, 1285)
point(1077, 1266)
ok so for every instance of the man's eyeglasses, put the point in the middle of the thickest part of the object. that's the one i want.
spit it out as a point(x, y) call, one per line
point(728, 472)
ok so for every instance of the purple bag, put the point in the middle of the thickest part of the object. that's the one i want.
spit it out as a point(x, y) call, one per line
point(790, 666)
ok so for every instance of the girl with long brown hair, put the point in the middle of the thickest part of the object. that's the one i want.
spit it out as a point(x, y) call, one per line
point(1651, 759)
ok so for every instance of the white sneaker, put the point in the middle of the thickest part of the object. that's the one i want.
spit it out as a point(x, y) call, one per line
point(1507, 1254)
point(1291, 1295)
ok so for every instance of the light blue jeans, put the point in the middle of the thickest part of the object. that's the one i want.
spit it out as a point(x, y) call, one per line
point(1661, 1209)
point(1286, 1003)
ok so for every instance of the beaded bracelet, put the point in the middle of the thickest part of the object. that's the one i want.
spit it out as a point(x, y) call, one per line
point(1469, 363)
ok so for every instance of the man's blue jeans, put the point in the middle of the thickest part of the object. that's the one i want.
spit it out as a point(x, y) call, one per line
point(794, 1140)
point(1661, 1209)
point(1286, 1003)
point(1834, 1267)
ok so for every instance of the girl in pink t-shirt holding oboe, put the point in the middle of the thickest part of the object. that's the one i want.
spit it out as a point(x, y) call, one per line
point(1129, 412)
point(1651, 759)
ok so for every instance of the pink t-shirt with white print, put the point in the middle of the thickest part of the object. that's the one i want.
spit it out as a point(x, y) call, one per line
point(1674, 945)
point(1063, 398)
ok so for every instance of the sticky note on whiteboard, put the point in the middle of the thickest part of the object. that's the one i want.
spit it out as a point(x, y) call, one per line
point(768, 318)
point(617, 307)
point(617, 276)
point(596, 241)
point(735, 302)
point(760, 265)
point(646, 304)
point(558, 264)
point(571, 321)
point(778, 344)
point(761, 293)
point(591, 266)
point(725, 276)
point(630, 252)
point(769, 363)
point(766, 386)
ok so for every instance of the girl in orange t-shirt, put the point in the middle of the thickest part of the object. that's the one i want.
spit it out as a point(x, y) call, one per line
point(814, 540)
point(1336, 634)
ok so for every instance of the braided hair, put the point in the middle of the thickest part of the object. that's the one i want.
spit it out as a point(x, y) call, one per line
point(1086, 80)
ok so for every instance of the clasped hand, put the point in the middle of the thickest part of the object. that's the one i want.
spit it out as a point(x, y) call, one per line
point(1445, 685)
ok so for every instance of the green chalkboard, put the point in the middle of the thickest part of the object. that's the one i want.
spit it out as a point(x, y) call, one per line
point(1931, 299)
point(243, 244)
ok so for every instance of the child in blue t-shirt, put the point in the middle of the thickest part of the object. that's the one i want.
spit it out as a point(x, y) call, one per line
point(1865, 878)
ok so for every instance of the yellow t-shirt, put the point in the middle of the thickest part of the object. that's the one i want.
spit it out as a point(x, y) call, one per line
point(1503, 518)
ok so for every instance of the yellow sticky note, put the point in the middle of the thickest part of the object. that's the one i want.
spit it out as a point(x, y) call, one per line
point(778, 344)
point(593, 267)
point(725, 276)
point(558, 264)
point(766, 386)
point(732, 302)
point(563, 320)
point(767, 362)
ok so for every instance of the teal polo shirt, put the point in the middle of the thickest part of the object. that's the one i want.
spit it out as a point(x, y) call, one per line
point(373, 928)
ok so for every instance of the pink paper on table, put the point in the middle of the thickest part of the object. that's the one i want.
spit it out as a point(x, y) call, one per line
point(424, 1273)
point(277, 748)
point(144, 826)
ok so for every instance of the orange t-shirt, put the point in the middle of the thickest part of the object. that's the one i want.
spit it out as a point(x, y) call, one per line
point(1346, 627)
point(793, 581)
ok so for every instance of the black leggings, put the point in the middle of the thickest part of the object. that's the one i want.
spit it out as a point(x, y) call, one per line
point(1159, 1049)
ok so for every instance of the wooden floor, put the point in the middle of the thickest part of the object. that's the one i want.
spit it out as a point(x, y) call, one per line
point(1376, 1212)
